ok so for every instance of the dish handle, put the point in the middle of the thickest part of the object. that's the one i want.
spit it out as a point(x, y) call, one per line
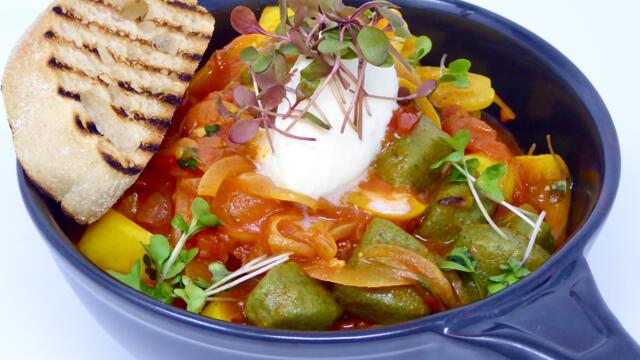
point(565, 318)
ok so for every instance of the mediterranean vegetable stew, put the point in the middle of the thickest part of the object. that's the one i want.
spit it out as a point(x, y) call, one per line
point(318, 177)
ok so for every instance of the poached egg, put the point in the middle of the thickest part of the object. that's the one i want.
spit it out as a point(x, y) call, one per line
point(336, 161)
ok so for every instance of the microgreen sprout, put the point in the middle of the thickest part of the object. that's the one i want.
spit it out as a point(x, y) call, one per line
point(532, 237)
point(201, 218)
point(165, 266)
point(459, 259)
point(326, 32)
point(196, 296)
point(513, 272)
point(457, 73)
point(488, 182)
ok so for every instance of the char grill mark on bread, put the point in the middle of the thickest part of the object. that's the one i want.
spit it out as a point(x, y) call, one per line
point(129, 62)
point(90, 92)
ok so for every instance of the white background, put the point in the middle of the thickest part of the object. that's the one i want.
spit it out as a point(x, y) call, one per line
point(40, 318)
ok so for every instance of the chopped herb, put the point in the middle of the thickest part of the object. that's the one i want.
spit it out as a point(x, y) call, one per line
point(211, 129)
point(187, 159)
point(188, 163)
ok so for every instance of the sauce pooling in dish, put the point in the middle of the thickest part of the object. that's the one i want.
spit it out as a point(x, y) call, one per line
point(317, 177)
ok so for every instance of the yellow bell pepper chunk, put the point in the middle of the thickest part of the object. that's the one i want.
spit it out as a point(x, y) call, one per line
point(477, 96)
point(539, 173)
point(270, 18)
point(398, 205)
point(508, 182)
point(220, 310)
point(114, 242)
point(423, 104)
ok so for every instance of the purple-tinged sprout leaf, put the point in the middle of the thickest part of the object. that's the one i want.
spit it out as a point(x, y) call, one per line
point(244, 21)
point(426, 88)
point(298, 41)
point(266, 80)
point(301, 14)
point(373, 4)
point(244, 97)
point(244, 130)
point(222, 110)
point(281, 68)
point(273, 97)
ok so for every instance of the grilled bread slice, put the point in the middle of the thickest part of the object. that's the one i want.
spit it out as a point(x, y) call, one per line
point(90, 91)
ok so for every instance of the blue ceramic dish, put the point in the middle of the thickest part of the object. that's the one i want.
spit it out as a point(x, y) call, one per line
point(556, 313)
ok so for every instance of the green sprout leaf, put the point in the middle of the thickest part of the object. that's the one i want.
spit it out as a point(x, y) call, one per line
point(194, 296)
point(218, 271)
point(332, 46)
point(180, 224)
point(423, 47)
point(457, 73)
point(289, 50)
point(374, 45)
point(459, 259)
point(489, 182)
point(162, 292)
point(472, 166)
point(306, 88)
point(249, 55)
point(398, 24)
point(184, 258)
point(459, 141)
point(202, 216)
point(158, 250)
point(511, 274)
point(316, 70)
point(262, 63)
point(131, 279)
point(453, 157)
point(317, 121)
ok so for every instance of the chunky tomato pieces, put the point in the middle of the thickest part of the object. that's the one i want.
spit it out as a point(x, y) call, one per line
point(484, 138)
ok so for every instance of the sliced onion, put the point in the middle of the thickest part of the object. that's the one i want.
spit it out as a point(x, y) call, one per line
point(281, 244)
point(262, 186)
point(220, 170)
point(361, 275)
point(412, 266)
point(310, 242)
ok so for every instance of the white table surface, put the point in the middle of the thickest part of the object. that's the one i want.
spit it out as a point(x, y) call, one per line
point(40, 318)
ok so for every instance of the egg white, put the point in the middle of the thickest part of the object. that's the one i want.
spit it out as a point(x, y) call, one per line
point(336, 161)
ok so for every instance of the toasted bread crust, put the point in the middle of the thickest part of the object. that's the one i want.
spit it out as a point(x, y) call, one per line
point(89, 97)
